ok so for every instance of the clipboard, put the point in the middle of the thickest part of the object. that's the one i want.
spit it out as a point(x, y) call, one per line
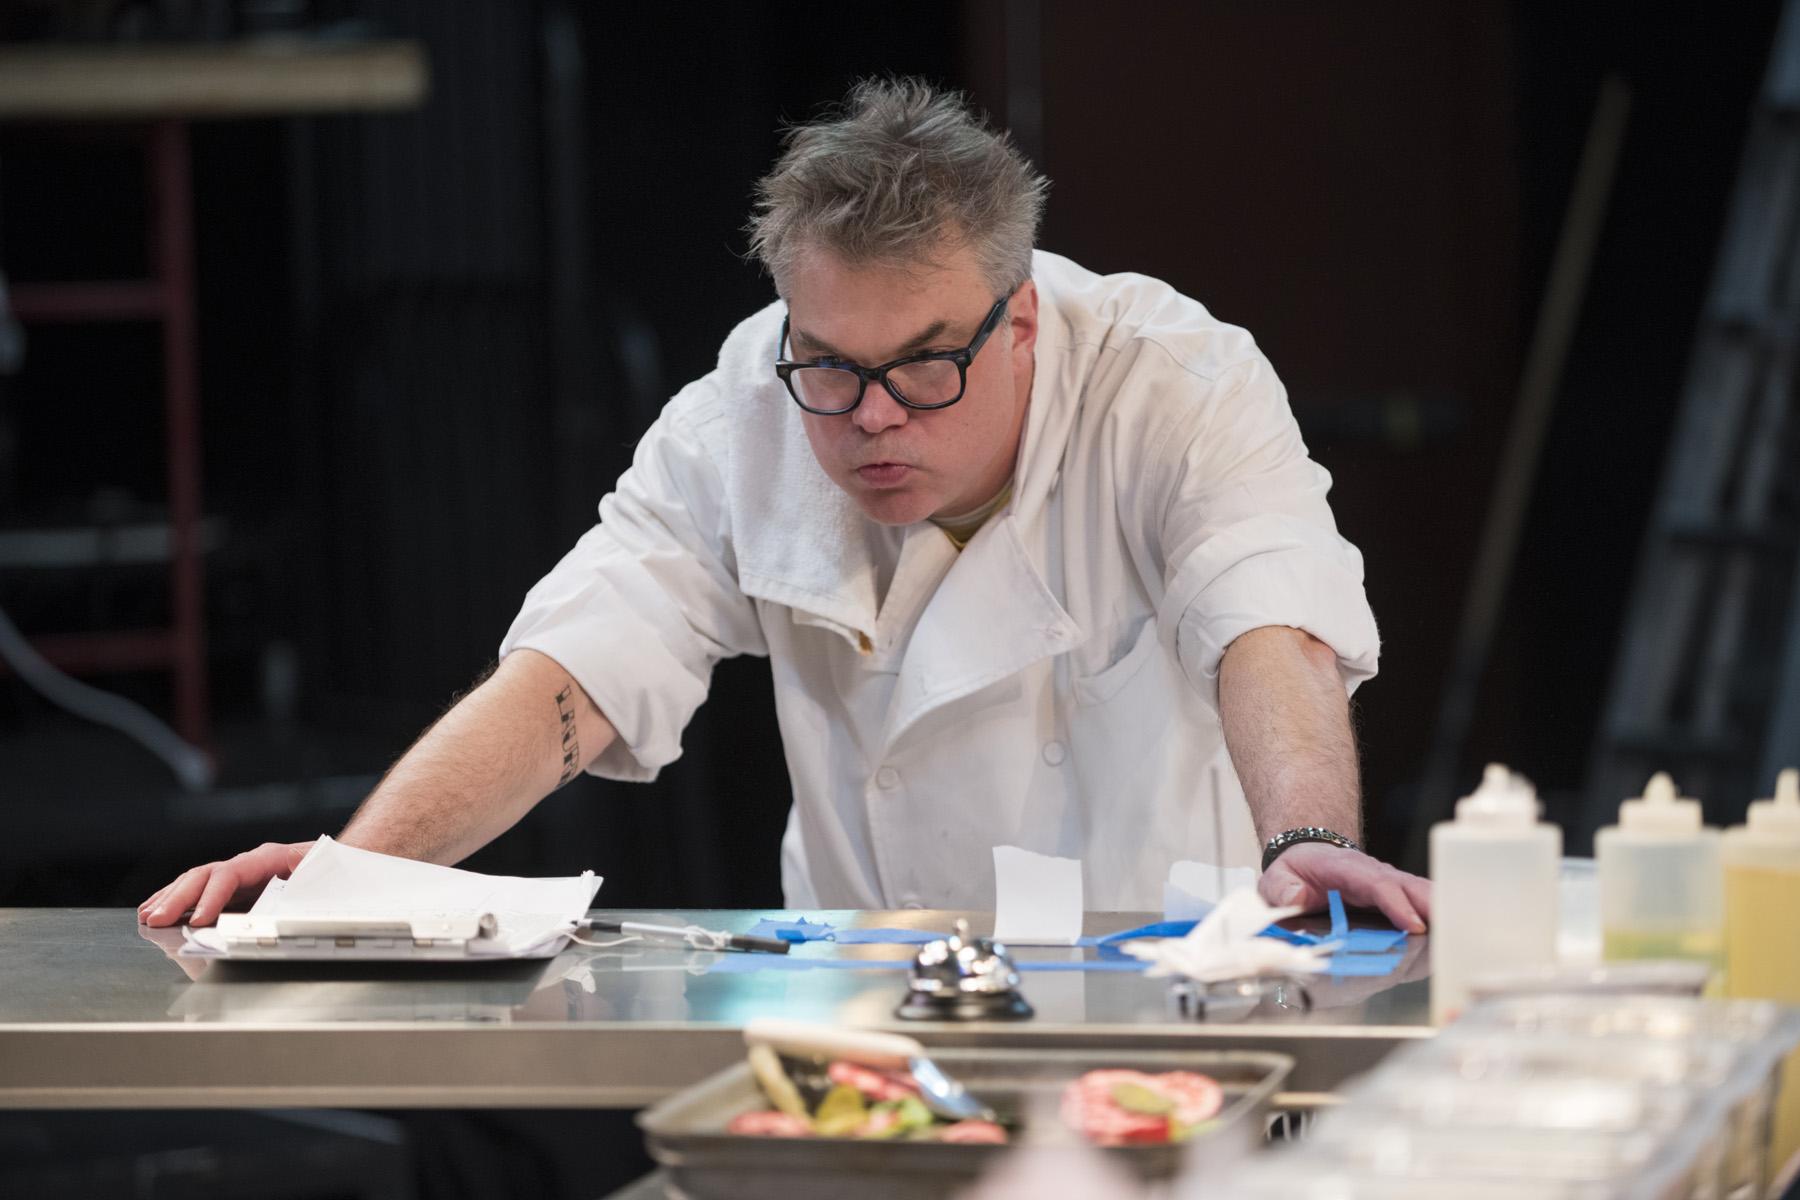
point(344, 903)
point(316, 938)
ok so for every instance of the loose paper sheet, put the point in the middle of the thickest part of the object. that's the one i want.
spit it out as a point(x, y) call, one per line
point(1194, 887)
point(1038, 898)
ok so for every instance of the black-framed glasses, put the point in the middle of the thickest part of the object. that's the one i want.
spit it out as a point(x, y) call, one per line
point(922, 381)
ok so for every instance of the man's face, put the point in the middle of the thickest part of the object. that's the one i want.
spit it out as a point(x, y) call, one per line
point(903, 465)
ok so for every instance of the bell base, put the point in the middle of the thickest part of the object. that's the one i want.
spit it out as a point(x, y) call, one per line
point(1008, 1007)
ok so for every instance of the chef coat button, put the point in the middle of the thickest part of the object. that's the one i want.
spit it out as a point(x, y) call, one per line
point(887, 777)
point(1054, 753)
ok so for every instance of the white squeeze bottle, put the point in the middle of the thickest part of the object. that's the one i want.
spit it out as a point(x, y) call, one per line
point(1493, 889)
point(1661, 893)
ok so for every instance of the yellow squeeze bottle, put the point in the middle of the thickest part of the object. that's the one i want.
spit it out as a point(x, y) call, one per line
point(1762, 926)
point(1660, 890)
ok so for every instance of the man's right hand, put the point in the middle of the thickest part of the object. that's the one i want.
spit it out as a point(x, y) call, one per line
point(208, 889)
point(510, 742)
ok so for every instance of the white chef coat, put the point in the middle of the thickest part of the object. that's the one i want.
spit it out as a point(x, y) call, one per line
point(1053, 686)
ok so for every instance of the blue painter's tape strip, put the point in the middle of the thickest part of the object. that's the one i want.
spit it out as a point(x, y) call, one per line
point(1156, 929)
point(1340, 921)
point(886, 937)
point(1364, 964)
point(1351, 941)
point(743, 964)
point(791, 931)
point(810, 931)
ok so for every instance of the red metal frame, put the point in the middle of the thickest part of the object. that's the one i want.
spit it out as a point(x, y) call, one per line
point(122, 650)
point(172, 259)
point(130, 300)
point(168, 297)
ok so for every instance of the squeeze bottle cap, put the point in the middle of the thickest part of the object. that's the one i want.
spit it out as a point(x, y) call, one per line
point(1504, 798)
point(1661, 809)
point(1779, 817)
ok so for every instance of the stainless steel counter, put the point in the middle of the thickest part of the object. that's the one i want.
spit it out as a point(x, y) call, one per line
point(97, 1012)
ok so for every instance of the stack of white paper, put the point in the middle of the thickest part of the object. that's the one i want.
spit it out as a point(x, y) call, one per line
point(532, 917)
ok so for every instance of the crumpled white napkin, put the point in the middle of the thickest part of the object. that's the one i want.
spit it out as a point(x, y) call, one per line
point(1225, 945)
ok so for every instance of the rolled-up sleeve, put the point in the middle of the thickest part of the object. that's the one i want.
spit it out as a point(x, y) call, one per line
point(647, 602)
point(1249, 539)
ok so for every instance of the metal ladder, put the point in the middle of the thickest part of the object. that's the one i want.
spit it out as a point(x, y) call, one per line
point(1706, 683)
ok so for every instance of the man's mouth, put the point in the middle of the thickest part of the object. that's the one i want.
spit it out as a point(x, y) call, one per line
point(883, 474)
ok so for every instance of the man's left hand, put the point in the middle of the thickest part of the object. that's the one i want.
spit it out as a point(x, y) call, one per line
point(1303, 875)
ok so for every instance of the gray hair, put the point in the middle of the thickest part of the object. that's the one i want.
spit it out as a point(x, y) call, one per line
point(899, 174)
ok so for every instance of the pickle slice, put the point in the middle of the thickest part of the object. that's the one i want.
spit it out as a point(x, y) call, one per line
point(841, 1111)
point(1136, 1098)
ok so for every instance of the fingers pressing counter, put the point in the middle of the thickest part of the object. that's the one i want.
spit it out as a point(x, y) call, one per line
point(206, 890)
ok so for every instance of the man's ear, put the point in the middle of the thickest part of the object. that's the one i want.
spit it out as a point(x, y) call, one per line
point(1022, 318)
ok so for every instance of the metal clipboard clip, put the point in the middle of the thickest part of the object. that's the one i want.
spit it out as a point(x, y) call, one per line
point(246, 931)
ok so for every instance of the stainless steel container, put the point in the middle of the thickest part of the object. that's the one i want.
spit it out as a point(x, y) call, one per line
point(686, 1133)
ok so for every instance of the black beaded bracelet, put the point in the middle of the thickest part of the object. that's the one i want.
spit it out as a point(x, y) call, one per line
point(1306, 833)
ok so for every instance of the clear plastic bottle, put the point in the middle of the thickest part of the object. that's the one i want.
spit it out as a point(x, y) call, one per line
point(1493, 888)
point(1661, 894)
point(1762, 925)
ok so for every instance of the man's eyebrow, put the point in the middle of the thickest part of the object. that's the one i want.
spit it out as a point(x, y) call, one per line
point(925, 337)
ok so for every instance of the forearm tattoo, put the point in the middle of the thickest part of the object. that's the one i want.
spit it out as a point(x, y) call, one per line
point(571, 748)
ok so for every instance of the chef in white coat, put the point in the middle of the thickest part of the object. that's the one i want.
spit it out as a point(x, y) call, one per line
point(1037, 555)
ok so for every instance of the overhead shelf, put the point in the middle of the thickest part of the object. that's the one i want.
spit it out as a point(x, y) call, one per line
point(266, 78)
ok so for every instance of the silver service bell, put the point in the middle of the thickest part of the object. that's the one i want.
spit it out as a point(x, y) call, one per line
point(963, 978)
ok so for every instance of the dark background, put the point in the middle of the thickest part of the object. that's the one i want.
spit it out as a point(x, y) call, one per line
point(430, 339)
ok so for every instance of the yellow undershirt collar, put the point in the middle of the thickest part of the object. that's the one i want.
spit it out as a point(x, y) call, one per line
point(960, 529)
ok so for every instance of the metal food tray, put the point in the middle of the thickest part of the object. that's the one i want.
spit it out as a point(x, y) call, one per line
point(686, 1133)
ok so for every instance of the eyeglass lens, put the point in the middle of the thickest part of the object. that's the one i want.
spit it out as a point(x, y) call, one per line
point(934, 381)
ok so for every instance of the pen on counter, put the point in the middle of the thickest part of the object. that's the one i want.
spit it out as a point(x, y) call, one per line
point(693, 935)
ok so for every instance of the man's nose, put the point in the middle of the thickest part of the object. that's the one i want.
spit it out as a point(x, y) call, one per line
point(878, 410)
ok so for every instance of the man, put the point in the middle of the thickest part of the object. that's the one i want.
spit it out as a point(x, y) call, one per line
point(1037, 556)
